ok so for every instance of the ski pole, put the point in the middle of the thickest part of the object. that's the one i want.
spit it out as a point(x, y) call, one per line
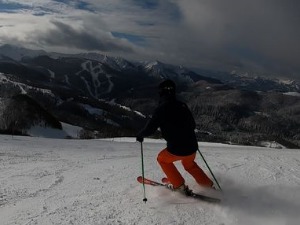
point(143, 173)
point(210, 170)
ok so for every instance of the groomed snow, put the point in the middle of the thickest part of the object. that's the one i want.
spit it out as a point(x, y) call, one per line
point(93, 182)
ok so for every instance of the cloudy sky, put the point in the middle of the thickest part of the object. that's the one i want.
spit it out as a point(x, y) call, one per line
point(259, 35)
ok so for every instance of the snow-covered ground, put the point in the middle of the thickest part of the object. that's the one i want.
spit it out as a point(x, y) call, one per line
point(93, 182)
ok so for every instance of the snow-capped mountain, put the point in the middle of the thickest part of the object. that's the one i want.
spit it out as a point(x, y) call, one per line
point(117, 63)
point(17, 53)
point(113, 95)
point(157, 69)
point(178, 73)
point(258, 83)
point(252, 81)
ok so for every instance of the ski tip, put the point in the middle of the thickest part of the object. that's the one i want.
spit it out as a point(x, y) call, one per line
point(165, 180)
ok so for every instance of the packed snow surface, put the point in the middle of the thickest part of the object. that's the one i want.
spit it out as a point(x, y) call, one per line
point(93, 182)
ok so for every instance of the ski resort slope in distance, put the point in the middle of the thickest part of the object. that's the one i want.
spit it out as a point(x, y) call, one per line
point(47, 181)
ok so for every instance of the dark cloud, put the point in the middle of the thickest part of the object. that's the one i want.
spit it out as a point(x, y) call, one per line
point(260, 34)
point(67, 36)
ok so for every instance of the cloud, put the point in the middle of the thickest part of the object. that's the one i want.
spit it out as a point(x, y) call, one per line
point(65, 35)
point(258, 35)
point(259, 32)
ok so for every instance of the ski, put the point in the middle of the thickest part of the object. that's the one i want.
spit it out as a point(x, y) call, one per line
point(142, 180)
point(149, 182)
point(165, 181)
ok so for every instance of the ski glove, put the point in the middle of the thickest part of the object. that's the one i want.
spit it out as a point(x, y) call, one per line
point(140, 139)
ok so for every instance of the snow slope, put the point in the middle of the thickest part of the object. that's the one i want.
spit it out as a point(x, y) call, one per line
point(93, 182)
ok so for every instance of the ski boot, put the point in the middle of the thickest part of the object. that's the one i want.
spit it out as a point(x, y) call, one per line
point(182, 189)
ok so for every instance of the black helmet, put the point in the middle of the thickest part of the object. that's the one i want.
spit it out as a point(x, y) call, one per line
point(167, 87)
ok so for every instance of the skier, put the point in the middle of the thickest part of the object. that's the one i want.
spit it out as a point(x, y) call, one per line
point(177, 126)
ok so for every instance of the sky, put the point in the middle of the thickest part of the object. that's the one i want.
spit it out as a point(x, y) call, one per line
point(252, 35)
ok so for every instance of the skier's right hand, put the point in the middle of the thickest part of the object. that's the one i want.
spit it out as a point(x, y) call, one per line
point(140, 139)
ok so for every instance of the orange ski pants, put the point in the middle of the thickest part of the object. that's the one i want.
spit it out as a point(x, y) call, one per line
point(166, 161)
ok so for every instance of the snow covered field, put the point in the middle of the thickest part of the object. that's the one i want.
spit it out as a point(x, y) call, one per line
point(93, 182)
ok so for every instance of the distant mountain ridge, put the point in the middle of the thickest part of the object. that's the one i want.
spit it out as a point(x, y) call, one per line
point(114, 96)
point(253, 82)
point(235, 78)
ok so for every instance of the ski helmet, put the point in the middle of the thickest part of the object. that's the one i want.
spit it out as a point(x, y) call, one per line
point(167, 87)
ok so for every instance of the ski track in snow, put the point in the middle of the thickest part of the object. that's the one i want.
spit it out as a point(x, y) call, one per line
point(56, 181)
point(95, 72)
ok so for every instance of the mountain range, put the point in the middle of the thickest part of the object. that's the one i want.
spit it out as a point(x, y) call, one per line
point(111, 96)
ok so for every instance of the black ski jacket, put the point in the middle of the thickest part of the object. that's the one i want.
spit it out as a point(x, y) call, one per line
point(177, 126)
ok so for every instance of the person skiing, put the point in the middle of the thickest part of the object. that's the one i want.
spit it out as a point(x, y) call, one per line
point(177, 125)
